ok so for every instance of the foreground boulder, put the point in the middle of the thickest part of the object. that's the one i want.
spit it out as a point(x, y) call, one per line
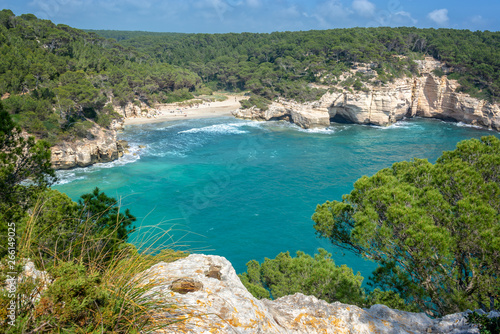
point(212, 299)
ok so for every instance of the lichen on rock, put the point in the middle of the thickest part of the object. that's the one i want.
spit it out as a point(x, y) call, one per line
point(223, 305)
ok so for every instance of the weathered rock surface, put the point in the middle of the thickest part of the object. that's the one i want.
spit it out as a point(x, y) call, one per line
point(306, 115)
point(213, 300)
point(103, 147)
point(425, 96)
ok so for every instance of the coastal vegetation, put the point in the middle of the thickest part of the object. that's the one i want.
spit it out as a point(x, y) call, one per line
point(433, 230)
point(92, 277)
point(314, 276)
point(284, 64)
point(57, 82)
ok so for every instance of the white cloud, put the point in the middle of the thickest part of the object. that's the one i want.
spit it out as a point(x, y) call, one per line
point(254, 3)
point(329, 14)
point(439, 16)
point(51, 9)
point(332, 8)
point(289, 12)
point(477, 19)
point(363, 7)
point(403, 18)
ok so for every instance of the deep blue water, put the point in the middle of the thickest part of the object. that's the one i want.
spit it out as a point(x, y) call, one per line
point(247, 190)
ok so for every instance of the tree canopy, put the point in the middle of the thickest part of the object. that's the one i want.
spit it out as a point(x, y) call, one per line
point(318, 276)
point(283, 64)
point(434, 229)
point(57, 81)
point(25, 171)
point(54, 78)
point(25, 175)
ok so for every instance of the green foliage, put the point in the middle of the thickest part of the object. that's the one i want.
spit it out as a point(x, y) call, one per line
point(257, 101)
point(486, 325)
point(389, 298)
point(433, 229)
point(58, 77)
point(73, 298)
point(21, 159)
point(107, 115)
point(178, 96)
point(63, 227)
point(265, 63)
point(438, 72)
point(318, 276)
point(104, 212)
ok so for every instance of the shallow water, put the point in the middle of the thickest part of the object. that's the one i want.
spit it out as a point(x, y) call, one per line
point(246, 190)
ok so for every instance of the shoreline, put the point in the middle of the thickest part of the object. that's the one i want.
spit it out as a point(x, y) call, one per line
point(207, 110)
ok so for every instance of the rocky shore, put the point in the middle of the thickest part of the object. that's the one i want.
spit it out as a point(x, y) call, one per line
point(103, 146)
point(210, 298)
point(426, 95)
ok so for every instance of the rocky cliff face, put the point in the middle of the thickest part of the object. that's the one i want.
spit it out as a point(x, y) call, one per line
point(426, 96)
point(102, 147)
point(212, 299)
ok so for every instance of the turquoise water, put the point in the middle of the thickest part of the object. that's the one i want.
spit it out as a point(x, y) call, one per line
point(246, 190)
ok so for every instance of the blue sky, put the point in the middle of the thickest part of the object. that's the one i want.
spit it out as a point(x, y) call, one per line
point(221, 16)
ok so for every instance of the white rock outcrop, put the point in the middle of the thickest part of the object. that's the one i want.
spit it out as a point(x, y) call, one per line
point(103, 147)
point(426, 95)
point(212, 299)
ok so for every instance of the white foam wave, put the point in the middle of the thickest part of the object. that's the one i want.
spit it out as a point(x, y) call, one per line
point(64, 177)
point(465, 125)
point(252, 124)
point(398, 125)
point(325, 131)
point(295, 127)
point(217, 129)
point(177, 154)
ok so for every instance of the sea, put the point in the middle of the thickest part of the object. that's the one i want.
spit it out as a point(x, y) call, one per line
point(247, 190)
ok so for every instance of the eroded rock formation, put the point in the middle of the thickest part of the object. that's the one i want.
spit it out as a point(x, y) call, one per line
point(101, 147)
point(426, 95)
point(212, 299)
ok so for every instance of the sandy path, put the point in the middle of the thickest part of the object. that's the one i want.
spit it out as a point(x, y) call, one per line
point(207, 110)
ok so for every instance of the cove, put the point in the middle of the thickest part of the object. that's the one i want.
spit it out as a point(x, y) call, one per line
point(247, 190)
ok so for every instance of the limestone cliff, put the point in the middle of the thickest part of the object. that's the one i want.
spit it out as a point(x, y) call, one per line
point(426, 95)
point(102, 146)
point(212, 299)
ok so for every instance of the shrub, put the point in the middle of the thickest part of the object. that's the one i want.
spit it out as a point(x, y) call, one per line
point(85, 291)
point(317, 276)
point(257, 101)
point(485, 324)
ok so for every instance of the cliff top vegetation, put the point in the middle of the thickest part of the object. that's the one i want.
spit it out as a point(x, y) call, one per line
point(58, 82)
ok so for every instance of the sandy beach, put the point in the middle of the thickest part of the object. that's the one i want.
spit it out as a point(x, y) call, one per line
point(206, 110)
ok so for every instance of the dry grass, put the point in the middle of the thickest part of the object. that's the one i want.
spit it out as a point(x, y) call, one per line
point(90, 288)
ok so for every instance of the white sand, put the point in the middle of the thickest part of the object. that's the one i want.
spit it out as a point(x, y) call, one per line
point(206, 110)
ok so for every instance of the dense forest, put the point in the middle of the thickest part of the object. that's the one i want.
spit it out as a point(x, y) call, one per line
point(432, 228)
point(283, 63)
point(56, 81)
